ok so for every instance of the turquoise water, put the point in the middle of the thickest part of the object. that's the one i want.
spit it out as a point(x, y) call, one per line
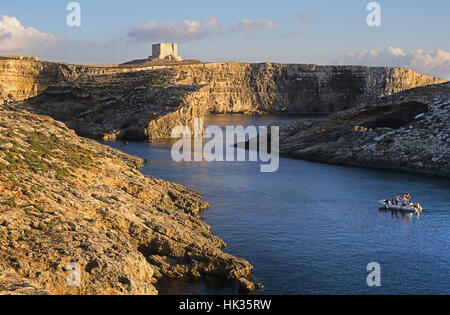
point(313, 228)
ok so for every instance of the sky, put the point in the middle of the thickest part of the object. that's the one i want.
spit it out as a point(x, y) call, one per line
point(413, 33)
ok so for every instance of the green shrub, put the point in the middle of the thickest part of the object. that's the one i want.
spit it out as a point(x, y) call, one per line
point(11, 202)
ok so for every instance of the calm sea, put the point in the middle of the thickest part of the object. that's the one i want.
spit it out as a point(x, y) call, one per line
point(313, 228)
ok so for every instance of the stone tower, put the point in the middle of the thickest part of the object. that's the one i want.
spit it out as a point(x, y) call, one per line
point(165, 51)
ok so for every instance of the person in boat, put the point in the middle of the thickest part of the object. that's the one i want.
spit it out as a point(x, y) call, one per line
point(398, 200)
point(406, 199)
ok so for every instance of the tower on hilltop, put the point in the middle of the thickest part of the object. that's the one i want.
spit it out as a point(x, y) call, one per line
point(165, 51)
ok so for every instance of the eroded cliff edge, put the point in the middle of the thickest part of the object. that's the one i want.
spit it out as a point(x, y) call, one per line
point(405, 131)
point(68, 199)
point(118, 102)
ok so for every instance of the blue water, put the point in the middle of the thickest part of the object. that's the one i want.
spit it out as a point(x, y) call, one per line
point(313, 228)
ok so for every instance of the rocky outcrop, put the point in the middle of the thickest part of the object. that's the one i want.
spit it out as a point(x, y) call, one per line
point(294, 88)
point(68, 199)
point(22, 78)
point(132, 102)
point(113, 106)
point(406, 131)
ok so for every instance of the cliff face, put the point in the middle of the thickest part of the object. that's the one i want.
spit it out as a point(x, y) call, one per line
point(112, 106)
point(406, 131)
point(192, 91)
point(68, 199)
point(24, 78)
point(21, 79)
point(271, 87)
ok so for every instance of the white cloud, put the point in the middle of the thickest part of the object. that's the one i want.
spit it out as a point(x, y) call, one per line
point(251, 26)
point(193, 29)
point(435, 63)
point(18, 39)
point(187, 30)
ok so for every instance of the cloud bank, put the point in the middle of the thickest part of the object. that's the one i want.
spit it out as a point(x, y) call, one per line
point(250, 26)
point(18, 39)
point(435, 63)
point(194, 29)
point(187, 30)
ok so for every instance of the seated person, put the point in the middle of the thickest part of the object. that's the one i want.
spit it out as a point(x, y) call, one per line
point(406, 199)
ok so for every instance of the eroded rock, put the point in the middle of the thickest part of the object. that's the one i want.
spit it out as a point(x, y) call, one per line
point(406, 131)
point(67, 199)
point(147, 102)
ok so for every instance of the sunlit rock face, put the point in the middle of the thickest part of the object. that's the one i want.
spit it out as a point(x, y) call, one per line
point(271, 87)
point(67, 199)
point(146, 102)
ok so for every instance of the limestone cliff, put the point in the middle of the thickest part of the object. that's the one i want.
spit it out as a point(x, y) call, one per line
point(295, 88)
point(68, 199)
point(22, 78)
point(273, 88)
point(153, 108)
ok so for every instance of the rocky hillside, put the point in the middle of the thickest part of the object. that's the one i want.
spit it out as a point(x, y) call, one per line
point(294, 88)
point(22, 78)
point(67, 199)
point(406, 131)
point(131, 102)
point(113, 106)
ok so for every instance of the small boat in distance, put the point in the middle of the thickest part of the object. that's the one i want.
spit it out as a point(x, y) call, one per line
point(410, 208)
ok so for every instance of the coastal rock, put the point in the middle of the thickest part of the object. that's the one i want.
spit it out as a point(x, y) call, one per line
point(26, 77)
point(246, 285)
point(405, 131)
point(66, 199)
point(146, 102)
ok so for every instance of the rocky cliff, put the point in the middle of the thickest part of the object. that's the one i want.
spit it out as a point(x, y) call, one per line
point(68, 199)
point(113, 106)
point(295, 88)
point(25, 77)
point(405, 131)
point(148, 101)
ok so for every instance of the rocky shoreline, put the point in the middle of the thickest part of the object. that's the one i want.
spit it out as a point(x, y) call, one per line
point(67, 199)
point(406, 131)
point(144, 101)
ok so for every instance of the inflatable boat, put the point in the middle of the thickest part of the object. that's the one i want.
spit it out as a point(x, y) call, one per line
point(411, 208)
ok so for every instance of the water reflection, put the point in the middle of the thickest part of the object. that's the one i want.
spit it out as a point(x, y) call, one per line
point(400, 216)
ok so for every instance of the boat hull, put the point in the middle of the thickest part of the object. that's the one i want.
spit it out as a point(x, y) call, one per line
point(385, 205)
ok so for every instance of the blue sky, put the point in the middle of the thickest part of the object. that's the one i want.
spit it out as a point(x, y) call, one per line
point(297, 31)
